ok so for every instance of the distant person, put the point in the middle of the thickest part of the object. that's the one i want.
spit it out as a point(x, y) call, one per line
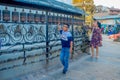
point(106, 31)
point(102, 30)
point(113, 27)
point(118, 28)
point(96, 40)
point(67, 43)
point(99, 25)
point(110, 30)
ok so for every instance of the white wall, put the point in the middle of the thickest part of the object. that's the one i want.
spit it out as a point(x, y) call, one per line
point(109, 21)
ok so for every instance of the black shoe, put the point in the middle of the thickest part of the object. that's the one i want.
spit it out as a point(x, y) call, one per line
point(64, 72)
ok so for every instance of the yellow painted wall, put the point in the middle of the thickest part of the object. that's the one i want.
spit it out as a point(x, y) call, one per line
point(88, 6)
point(77, 1)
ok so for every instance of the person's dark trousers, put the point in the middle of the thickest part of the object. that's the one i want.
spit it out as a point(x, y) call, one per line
point(64, 58)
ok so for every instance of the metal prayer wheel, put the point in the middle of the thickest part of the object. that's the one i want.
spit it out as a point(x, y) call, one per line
point(37, 17)
point(65, 19)
point(70, 20)
point(42, 17)
point(61, 20)
point(49, 18)
point(53, 18)
point(56, 19)
point(23, 16)
point(15, 16)
point(6, 15)
point(30, 17)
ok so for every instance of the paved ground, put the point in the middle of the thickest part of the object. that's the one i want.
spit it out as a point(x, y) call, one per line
point(106, 67)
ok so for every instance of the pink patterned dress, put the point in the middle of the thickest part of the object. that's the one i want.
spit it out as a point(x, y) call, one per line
point(96, 38)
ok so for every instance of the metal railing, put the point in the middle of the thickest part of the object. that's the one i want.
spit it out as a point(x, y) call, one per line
point(22, 40)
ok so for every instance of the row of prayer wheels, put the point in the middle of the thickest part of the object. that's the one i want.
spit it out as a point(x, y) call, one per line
point(30, 17)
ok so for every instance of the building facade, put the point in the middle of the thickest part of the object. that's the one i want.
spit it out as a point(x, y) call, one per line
point(88, 6)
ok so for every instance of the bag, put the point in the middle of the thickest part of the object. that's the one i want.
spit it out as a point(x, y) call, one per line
point(90, 37)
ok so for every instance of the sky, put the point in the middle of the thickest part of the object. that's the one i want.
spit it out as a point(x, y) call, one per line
point(107, 3)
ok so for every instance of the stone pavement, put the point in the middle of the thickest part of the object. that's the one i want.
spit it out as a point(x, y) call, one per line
point(106, 67)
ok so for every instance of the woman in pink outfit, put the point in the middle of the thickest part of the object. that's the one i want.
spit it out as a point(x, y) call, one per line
point(96, 40)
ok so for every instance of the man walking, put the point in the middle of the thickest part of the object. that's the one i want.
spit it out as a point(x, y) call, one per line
point(66, 40)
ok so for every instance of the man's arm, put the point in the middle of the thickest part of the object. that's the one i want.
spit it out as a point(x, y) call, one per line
point(59, 28)
point(71, 49)
point(71, 46)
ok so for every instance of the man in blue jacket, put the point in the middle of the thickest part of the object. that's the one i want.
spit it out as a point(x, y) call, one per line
point(67, 43)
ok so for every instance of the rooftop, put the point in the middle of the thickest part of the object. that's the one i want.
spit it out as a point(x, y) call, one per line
point(52, 5)
point(108, 17)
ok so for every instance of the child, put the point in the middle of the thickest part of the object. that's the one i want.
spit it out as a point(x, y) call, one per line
point(66, 40)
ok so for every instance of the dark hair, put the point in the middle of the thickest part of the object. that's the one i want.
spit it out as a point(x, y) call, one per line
point(67, 25)
point(94, 19)
point(99, 24)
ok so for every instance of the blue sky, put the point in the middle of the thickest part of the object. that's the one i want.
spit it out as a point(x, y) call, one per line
point(107, 3)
